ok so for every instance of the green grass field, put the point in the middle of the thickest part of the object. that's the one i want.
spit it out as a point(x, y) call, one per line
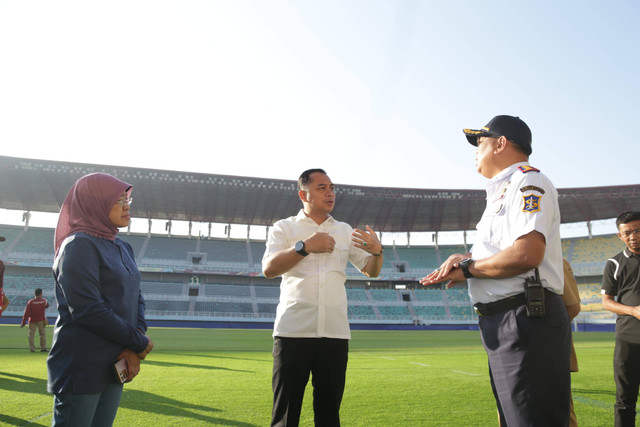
point(222, 377)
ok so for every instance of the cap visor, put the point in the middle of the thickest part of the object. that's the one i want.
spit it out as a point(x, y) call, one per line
point(473, 134)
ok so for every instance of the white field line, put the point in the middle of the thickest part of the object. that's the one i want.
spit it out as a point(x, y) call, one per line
point(41, 416)
point(593, 402)
point(425, 365)
point(465, 373)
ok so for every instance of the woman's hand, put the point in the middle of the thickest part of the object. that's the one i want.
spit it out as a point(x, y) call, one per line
point(133, 363)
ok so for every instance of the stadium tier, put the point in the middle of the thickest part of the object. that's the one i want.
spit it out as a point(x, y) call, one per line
point(220, 279)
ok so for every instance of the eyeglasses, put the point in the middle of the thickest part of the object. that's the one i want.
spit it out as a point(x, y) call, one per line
point(125, 202)
point(627, 234)
point(489, 136)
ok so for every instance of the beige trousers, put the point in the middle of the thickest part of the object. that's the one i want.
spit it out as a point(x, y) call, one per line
point(43, 336)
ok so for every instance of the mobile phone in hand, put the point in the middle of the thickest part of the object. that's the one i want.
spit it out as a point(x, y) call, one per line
point(120, 368)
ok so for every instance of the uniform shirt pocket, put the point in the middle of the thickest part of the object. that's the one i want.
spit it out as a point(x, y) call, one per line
point(491, 227)
point(342, 251)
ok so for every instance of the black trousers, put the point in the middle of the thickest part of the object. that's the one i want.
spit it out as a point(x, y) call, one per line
point(529, 362)
point(626, 371)
point(293, 360)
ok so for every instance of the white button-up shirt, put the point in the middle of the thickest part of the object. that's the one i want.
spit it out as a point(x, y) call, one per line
point(313, 299)
point(520, 199)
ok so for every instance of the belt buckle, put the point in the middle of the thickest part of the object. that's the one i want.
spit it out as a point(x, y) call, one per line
point(477, 310)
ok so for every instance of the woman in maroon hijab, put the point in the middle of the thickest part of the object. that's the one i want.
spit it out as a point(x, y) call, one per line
point(101, 309)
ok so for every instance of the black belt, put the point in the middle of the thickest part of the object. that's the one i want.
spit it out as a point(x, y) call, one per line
point(502, 305)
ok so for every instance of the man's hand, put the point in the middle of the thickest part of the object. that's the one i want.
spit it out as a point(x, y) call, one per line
point(366, 240)
point(319, 243)
point(609, 303)
point(449, 270)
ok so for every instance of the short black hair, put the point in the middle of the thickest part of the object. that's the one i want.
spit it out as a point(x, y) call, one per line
point(305, 177)
point(627, 217)
point(38, 292)
point(522, 148)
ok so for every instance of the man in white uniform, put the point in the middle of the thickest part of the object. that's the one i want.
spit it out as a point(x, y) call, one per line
point(311, 332)
point(527, 335)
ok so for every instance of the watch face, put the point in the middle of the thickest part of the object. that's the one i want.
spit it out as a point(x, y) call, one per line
point(464, 266)
point(299, 247)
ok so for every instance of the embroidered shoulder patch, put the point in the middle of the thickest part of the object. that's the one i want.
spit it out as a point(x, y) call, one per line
point(531, 203)
point(527, 168)
point(533, 188)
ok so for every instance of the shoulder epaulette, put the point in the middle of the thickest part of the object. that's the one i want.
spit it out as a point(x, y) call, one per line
point(527, 168)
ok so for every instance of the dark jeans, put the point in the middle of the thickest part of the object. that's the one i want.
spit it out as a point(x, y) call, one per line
point(626, 371)
point(86, 410)
point(529, 365)
point(293, 360)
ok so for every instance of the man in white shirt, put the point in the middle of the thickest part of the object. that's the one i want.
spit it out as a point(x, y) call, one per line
point(527, 338)
point(311, 332)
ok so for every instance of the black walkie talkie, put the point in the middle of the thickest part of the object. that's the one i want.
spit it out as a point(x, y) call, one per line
point(534, 294)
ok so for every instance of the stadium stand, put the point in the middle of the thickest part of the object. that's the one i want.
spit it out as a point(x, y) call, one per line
point(384, 295)
point(418, 256)
point(161, 288)
point(168, 247)
point(189, 277)
point(356, 294)
point(590, 297)
point(433, 295)
point(588, 256)
point(35, 241)
point(226, 284)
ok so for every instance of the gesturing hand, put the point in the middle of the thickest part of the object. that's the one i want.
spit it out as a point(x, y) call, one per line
point(319, 243)
point(449, 270)
point(367, 240)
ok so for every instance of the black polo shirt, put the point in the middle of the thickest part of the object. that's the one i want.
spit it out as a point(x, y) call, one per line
point(622, 280)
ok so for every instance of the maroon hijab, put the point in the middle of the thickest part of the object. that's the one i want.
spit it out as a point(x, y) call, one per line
point(87, 207)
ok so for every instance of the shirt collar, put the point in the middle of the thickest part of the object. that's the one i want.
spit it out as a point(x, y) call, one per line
point(508, 171)
point(629, 254)
point(303, 217)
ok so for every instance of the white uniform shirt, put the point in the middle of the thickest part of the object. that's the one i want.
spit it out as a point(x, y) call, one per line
point(313, 298)
point(519, 200)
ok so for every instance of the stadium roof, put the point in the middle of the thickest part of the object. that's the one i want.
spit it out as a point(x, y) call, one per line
point(42, 185)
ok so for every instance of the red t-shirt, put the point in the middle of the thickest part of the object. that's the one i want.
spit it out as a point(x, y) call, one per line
point(35, 310)
point(2, 306)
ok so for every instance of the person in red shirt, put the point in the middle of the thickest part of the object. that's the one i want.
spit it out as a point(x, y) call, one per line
point(4, 301)
point(34, 314)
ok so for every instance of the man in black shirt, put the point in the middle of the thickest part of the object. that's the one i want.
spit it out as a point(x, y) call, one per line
point(621, 295)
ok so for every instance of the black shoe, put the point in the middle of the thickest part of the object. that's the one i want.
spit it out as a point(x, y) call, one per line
point(44, 350)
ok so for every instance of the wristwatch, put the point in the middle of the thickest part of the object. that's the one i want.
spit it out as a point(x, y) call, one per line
point(381, 251)
point(464, 266)
point(299, 247)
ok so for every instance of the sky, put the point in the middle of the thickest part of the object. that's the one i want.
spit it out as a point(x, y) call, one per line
point(375, 92)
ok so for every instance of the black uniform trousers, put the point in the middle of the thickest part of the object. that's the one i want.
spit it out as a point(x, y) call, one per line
point(626, 371)
point(293, 360)
point(529, 362)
